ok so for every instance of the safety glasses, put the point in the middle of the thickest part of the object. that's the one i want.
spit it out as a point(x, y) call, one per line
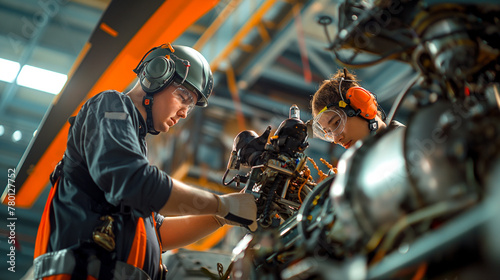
point(329, 123)
point(185, 97)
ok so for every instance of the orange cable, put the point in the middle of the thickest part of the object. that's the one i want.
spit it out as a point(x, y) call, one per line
point(422, 269)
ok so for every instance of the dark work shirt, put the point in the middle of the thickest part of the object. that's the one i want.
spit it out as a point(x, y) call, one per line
point(105, 171)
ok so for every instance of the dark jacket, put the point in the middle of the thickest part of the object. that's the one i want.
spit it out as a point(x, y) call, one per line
point(106, 172)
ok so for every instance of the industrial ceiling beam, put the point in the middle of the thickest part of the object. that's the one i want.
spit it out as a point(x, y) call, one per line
point(216, 24)
point(268, 55)
point(325, 66)
point(254, 21)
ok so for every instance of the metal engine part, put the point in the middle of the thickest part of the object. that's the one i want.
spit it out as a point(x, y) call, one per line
point(279, 177)
point(370, 187)
point(409, 202)
point(405, 170)
point(447, 45)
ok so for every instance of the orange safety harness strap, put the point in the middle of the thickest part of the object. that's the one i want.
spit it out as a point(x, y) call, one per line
point(138, 250)
point(136, 254)
point(65, 277)
point(43, 234)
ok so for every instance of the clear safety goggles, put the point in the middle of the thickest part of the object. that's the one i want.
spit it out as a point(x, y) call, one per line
point(185, 97)
point(329, 123)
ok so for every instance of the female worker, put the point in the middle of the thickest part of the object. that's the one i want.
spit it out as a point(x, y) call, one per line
point(344, 112)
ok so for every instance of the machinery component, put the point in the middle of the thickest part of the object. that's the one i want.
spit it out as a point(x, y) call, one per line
point(315, 220)
point(492, 244)
point(193, 265)
point(371, 185)
point(405, 202)
point(437, 39)
point(436, 154)
point(279, 177)
point(273, 249)
point(448, 47)
point(414, 176)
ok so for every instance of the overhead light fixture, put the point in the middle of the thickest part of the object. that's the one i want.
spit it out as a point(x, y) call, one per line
point(17, 136)
point(2, 130)
point(8, 70)
point(41, 79)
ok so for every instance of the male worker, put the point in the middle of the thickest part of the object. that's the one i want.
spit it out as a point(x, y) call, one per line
point(104, 215)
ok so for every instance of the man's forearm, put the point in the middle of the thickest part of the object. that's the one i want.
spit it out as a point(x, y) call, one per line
point(187, 200)
point(176, 232)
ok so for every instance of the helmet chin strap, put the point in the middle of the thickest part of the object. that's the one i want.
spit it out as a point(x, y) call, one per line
point(147, 102)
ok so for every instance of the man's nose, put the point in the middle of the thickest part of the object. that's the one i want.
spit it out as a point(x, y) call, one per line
point(182, 113)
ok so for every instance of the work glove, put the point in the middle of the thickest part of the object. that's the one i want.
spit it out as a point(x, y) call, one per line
point(238, 209)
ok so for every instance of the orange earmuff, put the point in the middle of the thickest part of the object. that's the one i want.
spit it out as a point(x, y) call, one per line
point(363, 100)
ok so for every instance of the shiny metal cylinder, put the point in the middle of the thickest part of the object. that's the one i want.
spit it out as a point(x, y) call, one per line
point(451, 48)
point(398, 172)
point(435, 152)
point(294, 112)
point(371, 184)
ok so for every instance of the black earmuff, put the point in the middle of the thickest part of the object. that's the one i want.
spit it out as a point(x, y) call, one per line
point(156, 71)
